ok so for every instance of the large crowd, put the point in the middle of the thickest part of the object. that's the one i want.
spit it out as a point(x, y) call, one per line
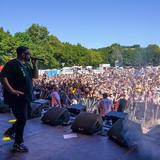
point(138, 86)
point(134, 84)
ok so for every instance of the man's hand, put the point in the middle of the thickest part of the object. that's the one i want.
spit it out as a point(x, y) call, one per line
point(9, 88)
point(35, 67)
point(34, 61)
point(16, 92)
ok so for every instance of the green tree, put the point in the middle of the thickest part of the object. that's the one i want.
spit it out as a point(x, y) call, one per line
point(37, 33)
point(153, 54)
point(7, 46)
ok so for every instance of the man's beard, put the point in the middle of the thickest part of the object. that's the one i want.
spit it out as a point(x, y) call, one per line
point(27, 59)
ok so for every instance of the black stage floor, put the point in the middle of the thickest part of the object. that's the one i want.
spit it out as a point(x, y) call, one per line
point(48, 143)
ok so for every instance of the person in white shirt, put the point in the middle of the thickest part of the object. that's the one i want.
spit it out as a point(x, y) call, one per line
point(105, 105)
point(55, 97)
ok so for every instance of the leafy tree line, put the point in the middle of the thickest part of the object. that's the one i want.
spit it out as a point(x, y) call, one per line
point(43, 44)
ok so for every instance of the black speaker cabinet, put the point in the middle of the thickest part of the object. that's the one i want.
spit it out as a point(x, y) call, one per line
point(36, 110)
point(44, 102)
point(75, 109)
point(87, 123)
point(115, 116)
point(125, 132)
point(154, 133)
point(56, 116)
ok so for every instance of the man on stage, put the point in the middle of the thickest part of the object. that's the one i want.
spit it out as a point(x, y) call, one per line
point(16, 78)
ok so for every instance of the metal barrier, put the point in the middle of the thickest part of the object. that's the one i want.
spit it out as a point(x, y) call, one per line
point(146, 113)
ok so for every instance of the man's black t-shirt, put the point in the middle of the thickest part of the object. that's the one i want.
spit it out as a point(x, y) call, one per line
point(20, 78)
point(122, 105)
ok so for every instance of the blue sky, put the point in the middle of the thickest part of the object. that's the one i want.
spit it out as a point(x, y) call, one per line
point(92, 23)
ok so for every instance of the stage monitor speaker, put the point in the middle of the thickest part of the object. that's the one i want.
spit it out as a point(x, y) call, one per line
point(154, 133)
point(125, 132)
point(36, 110)
point(75, 109)
point(115, 116)
point(44, 102)
point(56, 116)
point(87, 123)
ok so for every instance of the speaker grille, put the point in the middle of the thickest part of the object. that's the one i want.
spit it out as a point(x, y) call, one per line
point(56, 116)
point(87, 123)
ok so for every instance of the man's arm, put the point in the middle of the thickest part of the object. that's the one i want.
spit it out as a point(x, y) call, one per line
point(6, 73)
point(9, 88)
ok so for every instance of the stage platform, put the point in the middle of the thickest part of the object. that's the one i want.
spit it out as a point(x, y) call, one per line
point(48, 143)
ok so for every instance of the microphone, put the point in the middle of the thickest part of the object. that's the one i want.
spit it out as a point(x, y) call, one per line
point(36, 58)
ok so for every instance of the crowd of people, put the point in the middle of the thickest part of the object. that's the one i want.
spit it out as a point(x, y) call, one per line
point(123, 86)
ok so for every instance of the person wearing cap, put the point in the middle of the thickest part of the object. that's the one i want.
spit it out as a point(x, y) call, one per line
point(16, 77)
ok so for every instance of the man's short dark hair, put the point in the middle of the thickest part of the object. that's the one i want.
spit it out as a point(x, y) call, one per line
point(21, 49)
point(105, 95)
